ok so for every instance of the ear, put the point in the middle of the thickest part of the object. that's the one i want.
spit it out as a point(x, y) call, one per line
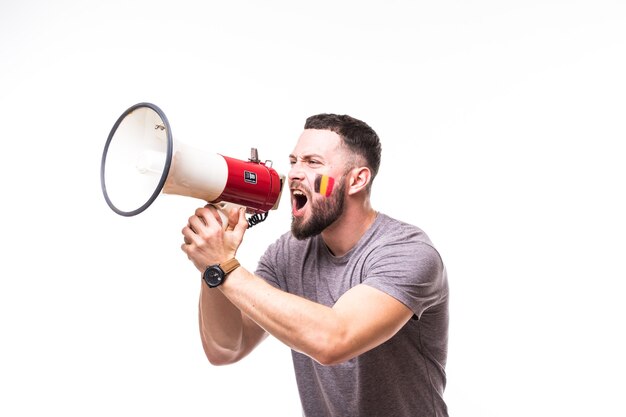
point(358, 180)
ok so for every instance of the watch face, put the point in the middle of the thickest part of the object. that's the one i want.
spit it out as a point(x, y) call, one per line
point(213, 276)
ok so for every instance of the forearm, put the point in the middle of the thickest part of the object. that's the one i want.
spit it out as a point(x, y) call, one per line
point(226, 334)
point(311, 328)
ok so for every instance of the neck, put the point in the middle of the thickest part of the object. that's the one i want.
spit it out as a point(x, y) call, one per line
point(346, 231)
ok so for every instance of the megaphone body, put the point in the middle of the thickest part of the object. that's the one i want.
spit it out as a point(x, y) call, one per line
point(141, 160)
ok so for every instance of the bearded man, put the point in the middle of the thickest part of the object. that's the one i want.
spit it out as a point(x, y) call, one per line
point(359, 297)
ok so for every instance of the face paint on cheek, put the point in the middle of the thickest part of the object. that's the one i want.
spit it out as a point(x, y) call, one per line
point(324, 185)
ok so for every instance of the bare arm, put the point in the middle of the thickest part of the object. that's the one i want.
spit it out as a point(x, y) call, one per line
point(235, 316)
point(227, 335)
point(362, 318)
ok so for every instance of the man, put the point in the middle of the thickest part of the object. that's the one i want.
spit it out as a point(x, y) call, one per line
point(360, 298)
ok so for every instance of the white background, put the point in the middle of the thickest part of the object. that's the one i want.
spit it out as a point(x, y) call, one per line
point(501, 124)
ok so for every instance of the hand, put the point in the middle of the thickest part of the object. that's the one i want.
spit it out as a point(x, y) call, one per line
point(210, 240)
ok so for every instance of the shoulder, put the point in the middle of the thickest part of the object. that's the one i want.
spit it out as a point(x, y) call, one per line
point(396, 245)
point(402, 262)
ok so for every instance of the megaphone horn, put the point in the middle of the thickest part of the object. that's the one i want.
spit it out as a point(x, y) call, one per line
point(141, 160)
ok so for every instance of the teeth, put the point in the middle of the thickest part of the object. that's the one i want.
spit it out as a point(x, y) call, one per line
point(297, 192)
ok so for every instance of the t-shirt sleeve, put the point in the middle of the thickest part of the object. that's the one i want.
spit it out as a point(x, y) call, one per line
point(410, 271)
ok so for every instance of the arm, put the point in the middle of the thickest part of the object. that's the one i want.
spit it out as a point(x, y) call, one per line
point(227, 335)
point(360, 320)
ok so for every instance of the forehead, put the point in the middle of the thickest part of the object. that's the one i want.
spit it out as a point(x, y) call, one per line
point(324, 143)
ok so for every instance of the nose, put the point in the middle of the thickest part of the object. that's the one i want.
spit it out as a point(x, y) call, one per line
point(296, 173)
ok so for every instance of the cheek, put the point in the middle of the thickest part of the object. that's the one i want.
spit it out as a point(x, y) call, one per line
point(324, 185)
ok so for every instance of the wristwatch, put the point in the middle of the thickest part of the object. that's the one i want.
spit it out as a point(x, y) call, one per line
point(215, 275)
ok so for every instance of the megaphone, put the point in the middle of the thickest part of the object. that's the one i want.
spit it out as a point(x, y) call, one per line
point(141, 160)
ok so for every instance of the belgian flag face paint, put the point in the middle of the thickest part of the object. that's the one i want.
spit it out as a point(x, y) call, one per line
point(324, 185)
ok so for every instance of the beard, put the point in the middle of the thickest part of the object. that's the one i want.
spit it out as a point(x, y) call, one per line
point(324, 212)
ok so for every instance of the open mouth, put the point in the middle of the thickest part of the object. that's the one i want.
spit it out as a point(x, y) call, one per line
point(298, 201)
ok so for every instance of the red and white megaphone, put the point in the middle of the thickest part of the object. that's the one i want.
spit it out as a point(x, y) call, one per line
point(141, 160)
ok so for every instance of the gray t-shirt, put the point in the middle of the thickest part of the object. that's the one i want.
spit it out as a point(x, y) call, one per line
point(404, 376)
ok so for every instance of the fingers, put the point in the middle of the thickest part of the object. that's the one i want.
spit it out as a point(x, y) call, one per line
point(204, 223)
point(203, 220)
point(198, 226)
point(208, 214)
point(209, 235)
point(188, 237)
point(231, 217)
point(241, 222)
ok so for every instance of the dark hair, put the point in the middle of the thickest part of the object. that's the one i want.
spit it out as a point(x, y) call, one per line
point(356, 135)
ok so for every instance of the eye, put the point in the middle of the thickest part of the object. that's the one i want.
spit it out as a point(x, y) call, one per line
point(308, 161)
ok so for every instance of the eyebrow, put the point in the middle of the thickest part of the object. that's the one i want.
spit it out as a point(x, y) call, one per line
point(308, 156)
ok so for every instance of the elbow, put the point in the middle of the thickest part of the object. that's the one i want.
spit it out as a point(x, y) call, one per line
point(331, 349)
point(219, 356)
point(328, 359)
point(332, 356)
point(220, 360)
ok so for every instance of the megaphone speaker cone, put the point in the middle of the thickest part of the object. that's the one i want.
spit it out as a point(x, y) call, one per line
point(136, 159)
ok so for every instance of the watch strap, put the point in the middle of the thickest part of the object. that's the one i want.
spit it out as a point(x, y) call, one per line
point(230, 265)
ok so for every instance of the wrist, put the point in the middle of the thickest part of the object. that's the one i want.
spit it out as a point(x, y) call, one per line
point(214, 275)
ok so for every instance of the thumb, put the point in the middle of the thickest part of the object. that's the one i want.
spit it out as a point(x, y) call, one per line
point(239, 218)
point(233, 215)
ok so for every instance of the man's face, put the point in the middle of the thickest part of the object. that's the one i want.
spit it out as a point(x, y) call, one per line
point(318, 156)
